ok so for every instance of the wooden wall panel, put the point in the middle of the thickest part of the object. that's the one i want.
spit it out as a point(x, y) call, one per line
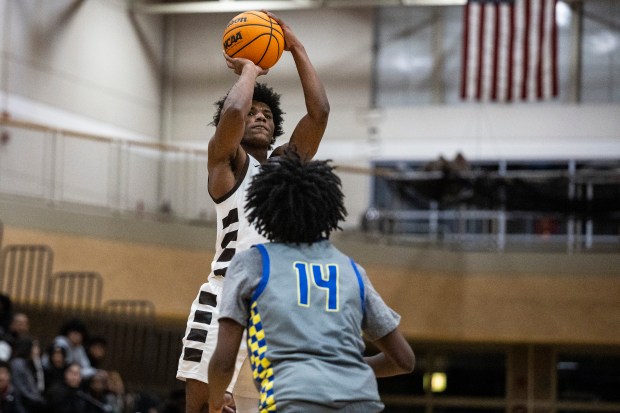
point(512, 304)
point(167, 276)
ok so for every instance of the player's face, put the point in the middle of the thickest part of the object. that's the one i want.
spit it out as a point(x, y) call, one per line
point(259, 126)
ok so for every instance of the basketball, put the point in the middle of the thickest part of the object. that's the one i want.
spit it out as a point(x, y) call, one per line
point(255, 36)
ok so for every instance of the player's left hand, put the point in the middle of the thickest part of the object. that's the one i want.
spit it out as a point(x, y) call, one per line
point(224, 405)
point(290, 40)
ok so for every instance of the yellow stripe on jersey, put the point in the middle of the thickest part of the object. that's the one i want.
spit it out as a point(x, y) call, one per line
point(261, 366)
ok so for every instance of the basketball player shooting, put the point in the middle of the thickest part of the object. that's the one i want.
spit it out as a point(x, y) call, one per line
point(248, 120)
point(304, 303)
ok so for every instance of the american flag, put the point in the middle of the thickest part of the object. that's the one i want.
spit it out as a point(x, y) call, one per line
point(509, 50)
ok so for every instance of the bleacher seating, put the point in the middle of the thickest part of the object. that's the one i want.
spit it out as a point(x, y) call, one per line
point(142, 350)
point(25, 272)
point(76, 290)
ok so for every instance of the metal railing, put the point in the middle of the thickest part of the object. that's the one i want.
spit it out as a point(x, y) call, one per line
point(143, 178)
point(25, 271)
point(492, 230)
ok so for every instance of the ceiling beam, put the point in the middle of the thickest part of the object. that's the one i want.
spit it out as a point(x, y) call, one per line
point(225, 6)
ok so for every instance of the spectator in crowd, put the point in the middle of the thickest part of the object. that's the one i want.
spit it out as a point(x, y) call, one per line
point(72, 336)
point(6, 313)
point(145, 402)
point(99, 393)
point(116, 386)
point(10, 401)
point(96, 350)
point(27, 375)
point(54, 368)
point(20, 325)
point(175, 402)
point(6, 347)
point(452, 186)
point(68, 396)
point(37, 365)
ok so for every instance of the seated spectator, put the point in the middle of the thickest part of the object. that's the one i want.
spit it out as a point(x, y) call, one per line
point(145, 402)
point(68, 396)
point(26, 377)
point(116, 386)
point(97, 387)
point(96, 349)
point(10, 400)
point(37, 363)
point(20, 325)
point(452, 186)
point(54, 368)
point(175, 402)
point(72, 336)
point(6, 347)
point(6, 313)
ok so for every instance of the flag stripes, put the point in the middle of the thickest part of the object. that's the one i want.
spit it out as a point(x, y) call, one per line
point(509, 50)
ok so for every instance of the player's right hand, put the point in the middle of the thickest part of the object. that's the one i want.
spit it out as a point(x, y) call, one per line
point(290, 40)
point(238, 63)
point(229, 404)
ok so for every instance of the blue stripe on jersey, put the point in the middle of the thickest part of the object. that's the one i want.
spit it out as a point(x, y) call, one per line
point(265, 277)
point(361, 283)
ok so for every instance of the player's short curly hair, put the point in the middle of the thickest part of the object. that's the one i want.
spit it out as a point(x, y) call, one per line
point(265, 94)
point(294, 201)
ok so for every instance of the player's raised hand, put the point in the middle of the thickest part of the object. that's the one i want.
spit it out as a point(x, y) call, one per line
point(237, 64)
point(290, 40)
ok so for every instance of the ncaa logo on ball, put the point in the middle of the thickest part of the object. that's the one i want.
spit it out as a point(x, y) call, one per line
point(234, 38)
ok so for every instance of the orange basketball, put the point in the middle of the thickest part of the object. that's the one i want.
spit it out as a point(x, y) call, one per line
point(255, 36)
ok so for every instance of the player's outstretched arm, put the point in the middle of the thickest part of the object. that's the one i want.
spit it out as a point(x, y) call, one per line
point(309, 131)
point(230, 128)
point(226, 141)
point(396, 356)
point(222, 364)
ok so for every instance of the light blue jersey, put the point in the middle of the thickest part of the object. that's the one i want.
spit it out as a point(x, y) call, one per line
point(305, 308)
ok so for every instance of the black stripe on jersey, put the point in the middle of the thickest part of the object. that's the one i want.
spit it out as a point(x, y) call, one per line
point(231, 218)
point(226, 255)
point(207, 298)
point(221, 272)
point(203, 317)
point(192, 354)
point(196, 334)
point(228, 238)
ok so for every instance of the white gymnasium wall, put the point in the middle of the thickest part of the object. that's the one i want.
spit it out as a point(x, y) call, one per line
point(89, 66)
point(518, 131)
point(89, 58)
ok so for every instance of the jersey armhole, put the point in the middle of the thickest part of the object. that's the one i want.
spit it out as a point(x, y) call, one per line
point(265, 273)
point(360, 281)
point(234, 188)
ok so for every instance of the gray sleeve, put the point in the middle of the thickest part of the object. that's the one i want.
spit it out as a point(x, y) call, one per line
point(242, 278)
point(379, 318)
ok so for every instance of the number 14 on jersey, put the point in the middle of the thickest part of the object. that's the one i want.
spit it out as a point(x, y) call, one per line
point(323, 278)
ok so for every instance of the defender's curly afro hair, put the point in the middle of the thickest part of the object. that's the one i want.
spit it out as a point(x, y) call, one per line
point(265, 94)
point(293, 201)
